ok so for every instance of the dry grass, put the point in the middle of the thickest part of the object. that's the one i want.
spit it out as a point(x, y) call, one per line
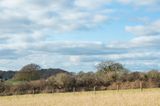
point(149, 97)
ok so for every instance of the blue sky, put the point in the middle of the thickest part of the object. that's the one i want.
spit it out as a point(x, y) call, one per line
point(78, 34)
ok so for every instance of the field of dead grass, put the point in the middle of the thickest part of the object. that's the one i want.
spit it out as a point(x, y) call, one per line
point(148, 97)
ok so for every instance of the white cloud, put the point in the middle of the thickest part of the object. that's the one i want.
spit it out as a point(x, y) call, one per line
point(140, 2)
point(146, 41)
point(151, 29)
point(54, 15)
point(91, 4)
point(77, 54)
point(145, 35)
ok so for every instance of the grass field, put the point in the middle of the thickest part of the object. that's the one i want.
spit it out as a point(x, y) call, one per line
point(148, 97)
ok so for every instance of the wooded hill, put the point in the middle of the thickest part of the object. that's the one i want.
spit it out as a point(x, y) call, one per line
point(44, 73)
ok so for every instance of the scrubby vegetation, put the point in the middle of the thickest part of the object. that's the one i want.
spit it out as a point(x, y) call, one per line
point(31, 79)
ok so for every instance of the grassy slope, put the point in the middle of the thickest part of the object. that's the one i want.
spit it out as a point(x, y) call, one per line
point(149, 97)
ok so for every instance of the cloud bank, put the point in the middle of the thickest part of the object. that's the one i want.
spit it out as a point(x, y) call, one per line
point(27, 25)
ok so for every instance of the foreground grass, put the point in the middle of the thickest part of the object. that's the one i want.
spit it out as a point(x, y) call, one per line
point(149, 97)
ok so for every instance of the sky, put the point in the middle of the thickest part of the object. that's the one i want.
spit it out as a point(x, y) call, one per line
point(76, 35)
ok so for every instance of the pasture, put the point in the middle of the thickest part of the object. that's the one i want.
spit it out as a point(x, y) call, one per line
point(148, 97)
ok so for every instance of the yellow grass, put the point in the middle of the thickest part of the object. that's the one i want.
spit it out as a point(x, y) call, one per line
point(149, 97)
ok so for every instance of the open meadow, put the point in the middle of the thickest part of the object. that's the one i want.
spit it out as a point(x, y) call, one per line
point(148, 97)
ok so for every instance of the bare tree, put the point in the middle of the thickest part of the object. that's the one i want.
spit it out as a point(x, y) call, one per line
point(113, 70)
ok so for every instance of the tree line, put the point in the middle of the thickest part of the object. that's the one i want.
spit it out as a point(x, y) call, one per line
point(31, 79)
